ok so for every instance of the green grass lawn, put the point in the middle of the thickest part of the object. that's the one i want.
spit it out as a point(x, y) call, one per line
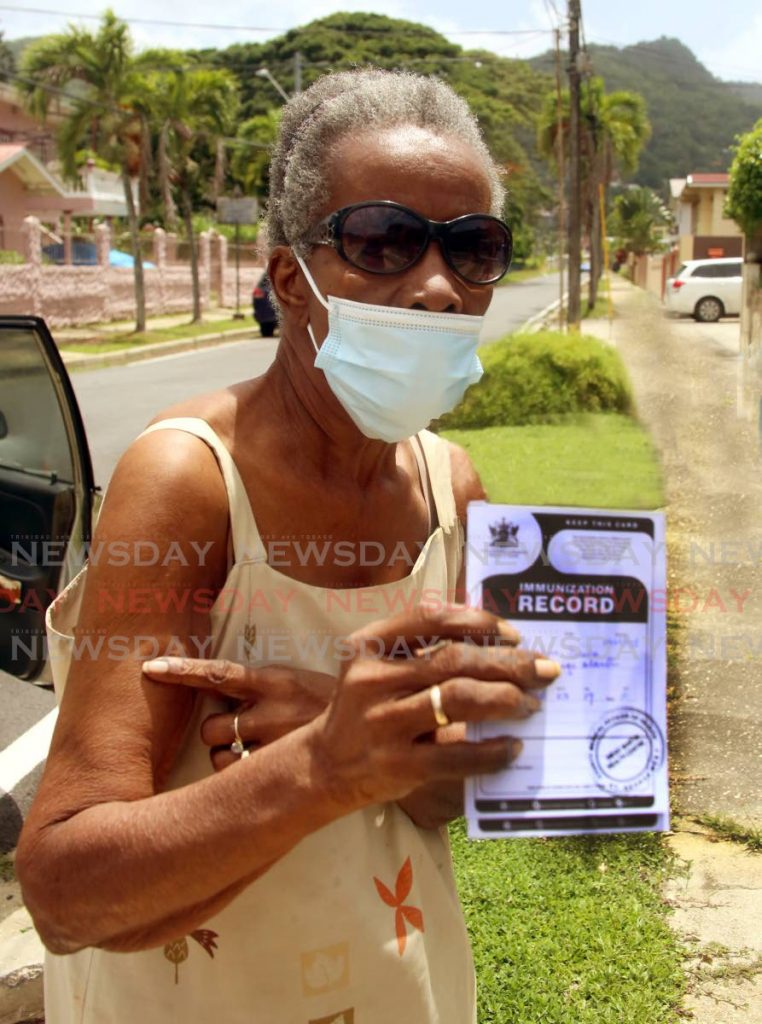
point(604, 461)
point(118, 342)
point(569, 931)
point(524, 274)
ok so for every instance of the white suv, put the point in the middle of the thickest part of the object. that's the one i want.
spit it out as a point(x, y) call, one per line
point(706, 289)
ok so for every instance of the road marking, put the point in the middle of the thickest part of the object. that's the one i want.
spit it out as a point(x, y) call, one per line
point(26, 752)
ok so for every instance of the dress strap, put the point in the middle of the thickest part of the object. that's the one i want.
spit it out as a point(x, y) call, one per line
point(437, 455)
point(247, 543)
point(423, 474)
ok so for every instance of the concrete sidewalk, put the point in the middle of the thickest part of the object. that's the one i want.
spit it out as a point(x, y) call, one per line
point(701, 402)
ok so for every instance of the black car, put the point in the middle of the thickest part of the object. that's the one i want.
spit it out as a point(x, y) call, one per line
point(47, 494)
point(264, 311)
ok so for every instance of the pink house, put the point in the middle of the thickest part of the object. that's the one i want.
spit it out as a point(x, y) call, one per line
point(30, 185)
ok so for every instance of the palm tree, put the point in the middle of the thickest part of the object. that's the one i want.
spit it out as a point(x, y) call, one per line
point(98, 75)
point(639, 220)
point(615, 128)
point(250, 162)
point(192, 112)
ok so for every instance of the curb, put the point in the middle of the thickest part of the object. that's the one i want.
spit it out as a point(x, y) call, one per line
point(21, 971)
point(80, 360)
point(538, 321)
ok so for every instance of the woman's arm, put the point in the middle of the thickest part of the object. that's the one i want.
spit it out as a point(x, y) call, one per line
point(103, 853)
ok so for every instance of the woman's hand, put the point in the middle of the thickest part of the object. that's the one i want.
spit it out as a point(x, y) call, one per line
point(274, 700)
point(376, 741)
point(374, 732)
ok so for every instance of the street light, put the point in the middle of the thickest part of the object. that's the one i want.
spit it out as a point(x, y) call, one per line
point(264, 73)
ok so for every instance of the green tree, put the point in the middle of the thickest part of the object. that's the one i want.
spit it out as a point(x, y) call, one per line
point(744, 202)
point(506, 95)
point(192, 112)
point(744, 205)
point(7, 60)
point(98, 73)
point(250, 159)
point(614, 130)
point(638, 220)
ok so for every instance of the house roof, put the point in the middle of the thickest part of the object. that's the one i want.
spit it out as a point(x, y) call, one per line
point(35, 176)
point(708, 180)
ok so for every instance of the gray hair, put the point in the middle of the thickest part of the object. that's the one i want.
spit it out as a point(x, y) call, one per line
point(347, 103)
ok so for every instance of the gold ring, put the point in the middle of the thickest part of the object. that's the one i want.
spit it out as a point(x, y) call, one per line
point(435, 696)
point(238, 746)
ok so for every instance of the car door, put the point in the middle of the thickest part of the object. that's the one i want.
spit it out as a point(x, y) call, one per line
point(732, 286)
point(47, 491)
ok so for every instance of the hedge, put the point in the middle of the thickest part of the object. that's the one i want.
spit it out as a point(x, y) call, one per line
point(542, 378)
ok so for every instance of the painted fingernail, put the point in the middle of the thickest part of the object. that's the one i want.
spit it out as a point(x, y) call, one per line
point(156, 666)
point(546, 669)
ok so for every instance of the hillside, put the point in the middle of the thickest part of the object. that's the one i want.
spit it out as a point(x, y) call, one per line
point(17, 46)
point(506, 95)
point(750, 92)
point(695, 117)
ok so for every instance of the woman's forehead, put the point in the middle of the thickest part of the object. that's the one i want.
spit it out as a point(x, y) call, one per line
point(439, 176)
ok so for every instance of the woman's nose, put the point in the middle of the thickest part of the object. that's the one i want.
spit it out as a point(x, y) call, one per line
point(432, 284)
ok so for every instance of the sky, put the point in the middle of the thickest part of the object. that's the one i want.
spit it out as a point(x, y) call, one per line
point(725, 36)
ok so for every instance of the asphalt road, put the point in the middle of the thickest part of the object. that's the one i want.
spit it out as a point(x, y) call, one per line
point(513, 304)
point(117, 403)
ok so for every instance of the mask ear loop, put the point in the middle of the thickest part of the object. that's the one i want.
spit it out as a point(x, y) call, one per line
point(316, 293)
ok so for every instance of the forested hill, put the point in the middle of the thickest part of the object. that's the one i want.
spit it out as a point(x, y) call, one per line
point(695, 117)
point(506, 95)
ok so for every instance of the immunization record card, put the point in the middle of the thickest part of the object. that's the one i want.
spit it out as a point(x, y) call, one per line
point(586, 588)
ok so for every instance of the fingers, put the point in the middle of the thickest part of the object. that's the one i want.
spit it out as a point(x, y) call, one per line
point(240, 681)
point(219, 730)
point(463, 700)
point(261, 723)
point(229, 677)
point(429, 624)
point(459, 760)
point(223, 758)
point(398, 678)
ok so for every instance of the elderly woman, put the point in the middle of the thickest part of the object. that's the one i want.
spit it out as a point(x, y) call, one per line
point(307, 879)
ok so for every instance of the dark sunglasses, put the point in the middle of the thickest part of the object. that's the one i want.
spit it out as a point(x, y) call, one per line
point(383, 237)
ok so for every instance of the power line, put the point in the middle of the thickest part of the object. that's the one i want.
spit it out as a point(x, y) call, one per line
point(553, 13)
point(363, 31)
point(269, 28)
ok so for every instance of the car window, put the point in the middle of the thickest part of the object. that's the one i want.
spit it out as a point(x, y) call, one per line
point(707, 270)
point(730, 270)
point(33, 433)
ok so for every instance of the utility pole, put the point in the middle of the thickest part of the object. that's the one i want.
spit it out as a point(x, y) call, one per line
point(561, 182)
point(297, 73)
point(575, 218)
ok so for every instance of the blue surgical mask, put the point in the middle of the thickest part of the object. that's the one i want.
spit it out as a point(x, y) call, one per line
point(395, 370)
